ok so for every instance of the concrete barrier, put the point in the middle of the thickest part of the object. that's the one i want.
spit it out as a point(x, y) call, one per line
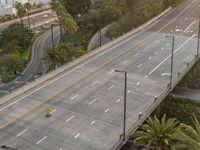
point(60, 70)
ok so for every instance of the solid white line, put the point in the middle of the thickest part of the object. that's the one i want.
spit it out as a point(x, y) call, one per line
point(22, 132)
point(170, 54)
point(111, 87)
point(94, 83)
point(92, 122)
point(53, 112)
point(77, 136)
point(74, 97)
point(41, 140)
point(106, 110)
point(121, 42)
point(69, 119)
point(117, 101)
point(189, 26)
point(139, 65)
point(92, 101)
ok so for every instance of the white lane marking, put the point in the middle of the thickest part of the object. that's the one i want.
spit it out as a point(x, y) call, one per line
point(69, 119)
point(41, 140)
point(146, 76)
point(77, 136)
point(106, 110)
point(167, 44)
point(111, 72)
point(61, 149)
point(21, 133)
point(125, 62)
point(74, 97)
point(156, 53)
point(139, 65)
point(138, 83)
point(117, 101)
point(150, 58)
point(92, 101)
point(136, 54)
point(53, 111)
point(121, 42)
point(166, 74)
point(128, 91)
point(92, 122)
point(162, 48)
point(93, 84)
point(111, 87)
point(179, 30)
point(189, 26)
point(170, 54)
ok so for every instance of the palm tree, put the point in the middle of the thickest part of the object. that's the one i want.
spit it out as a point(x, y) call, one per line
point(157, 134)
point(28, 7)
point(21, 11)
point(190, 136)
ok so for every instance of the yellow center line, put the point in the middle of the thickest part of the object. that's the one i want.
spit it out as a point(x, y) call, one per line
point(89, 74)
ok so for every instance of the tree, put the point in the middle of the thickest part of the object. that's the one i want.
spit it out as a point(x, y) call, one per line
point(28, 7)
point(16, 35)
point(157, 134)
point(77, 7)
point(21, 11)
point(58, 56)
point(190, 137)
point(131, 5)
point(65, 19)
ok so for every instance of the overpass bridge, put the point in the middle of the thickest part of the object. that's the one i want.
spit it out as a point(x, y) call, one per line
point(86, 96)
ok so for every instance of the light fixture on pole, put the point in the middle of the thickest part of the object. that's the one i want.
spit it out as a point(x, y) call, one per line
point(172, 60)
point(125, 92)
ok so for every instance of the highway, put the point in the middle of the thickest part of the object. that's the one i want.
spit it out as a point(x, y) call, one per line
point(36, 66)
point(87, 99)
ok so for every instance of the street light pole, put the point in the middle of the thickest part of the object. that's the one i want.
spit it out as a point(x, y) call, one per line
point(52, 36)
point(172, 60)
point(198, 40)
point(125, 92)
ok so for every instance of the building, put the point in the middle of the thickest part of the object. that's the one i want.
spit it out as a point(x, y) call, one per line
point(6, 10)
point(12, 2)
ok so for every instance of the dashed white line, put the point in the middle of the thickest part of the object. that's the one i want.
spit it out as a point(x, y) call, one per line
point(21, 133)
point(74, 97)
point(128, 91)
point(41, 140)
point(146, 76)
point(139, 65)
point(92, 101)
point(137, 54)
point(69, 119)
point(77, 136)
point(106, 110)
point(111, 72)
point(150, 58)
point(166, 74)
point(111, 87)
point(93, 84)
point(156, 53)
point(162, 48)
point(117, 101)
point(170, 54)
point(138, 83)
point(52, 111)
point(92, 122)
point(125, 62)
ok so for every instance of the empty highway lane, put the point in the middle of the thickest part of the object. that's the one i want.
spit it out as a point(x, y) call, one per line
point(86, 100)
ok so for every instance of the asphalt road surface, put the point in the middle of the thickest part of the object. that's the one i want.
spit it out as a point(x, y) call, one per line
point(87, 99)
point(37, 65)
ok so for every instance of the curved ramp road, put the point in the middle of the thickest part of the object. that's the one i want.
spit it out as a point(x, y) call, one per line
point(86, 100)
point(37, 65)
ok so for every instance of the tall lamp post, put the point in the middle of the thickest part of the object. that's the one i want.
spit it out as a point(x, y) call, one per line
point(125, 91)
point(198, 40)
point(172, 60)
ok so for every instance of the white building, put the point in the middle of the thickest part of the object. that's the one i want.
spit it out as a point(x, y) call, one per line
point(12, 2)
point(7, 10)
